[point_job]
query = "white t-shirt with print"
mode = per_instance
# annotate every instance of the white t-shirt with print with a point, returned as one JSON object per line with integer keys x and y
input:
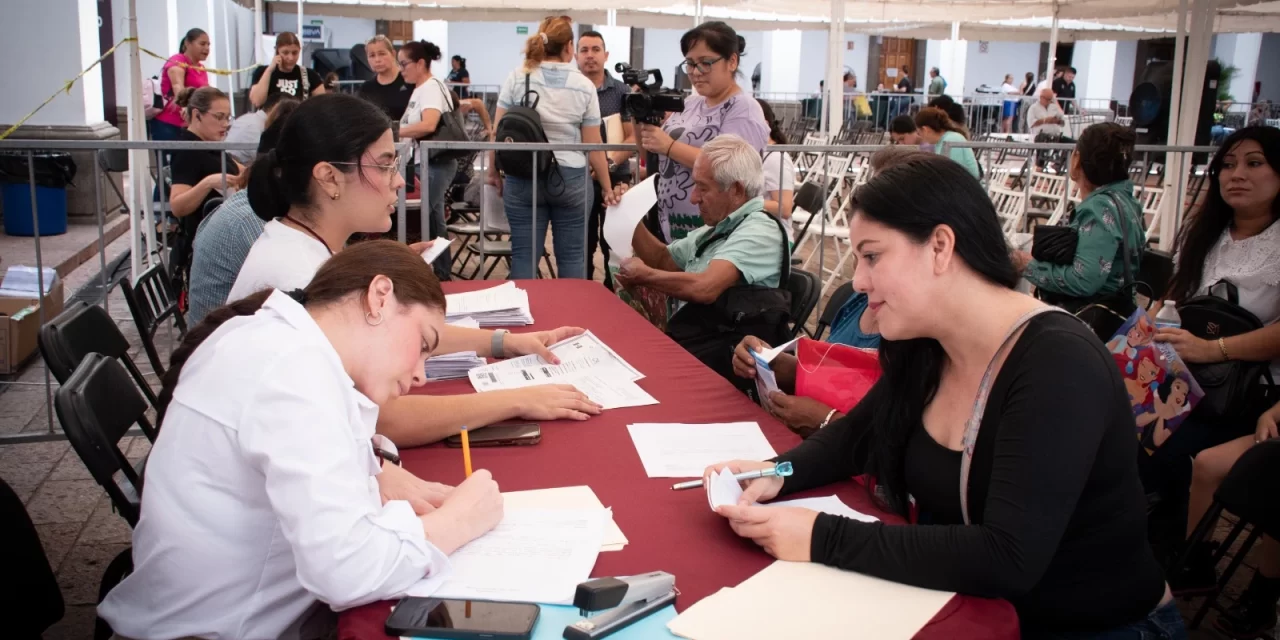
{"x": 432, "y": 94}
{"x": 282, "y": 258}
{"x": 567, "y": 102}
{"x": 778, "y": 165}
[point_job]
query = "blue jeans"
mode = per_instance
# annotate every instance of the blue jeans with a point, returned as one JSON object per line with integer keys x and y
{"x": 440, "y": 174}
{"x": 1163, "y": 623}
{"x": 563, "y": 202}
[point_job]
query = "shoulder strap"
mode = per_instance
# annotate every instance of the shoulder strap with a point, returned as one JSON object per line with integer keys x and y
{"x": 1121, "y": 214}
{"x": 784, "y": 269}
{"x": 974, "y": 423}
{"x": 306, "y": 81}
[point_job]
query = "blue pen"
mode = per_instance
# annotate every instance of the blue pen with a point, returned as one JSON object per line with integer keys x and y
{"x": 781, "y": 470}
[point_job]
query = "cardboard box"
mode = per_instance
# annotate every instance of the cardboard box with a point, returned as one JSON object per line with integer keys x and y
{"x": 20, "y": 326}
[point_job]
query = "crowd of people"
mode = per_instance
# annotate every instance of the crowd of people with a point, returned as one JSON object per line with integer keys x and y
{"x": 1000, "y": 426}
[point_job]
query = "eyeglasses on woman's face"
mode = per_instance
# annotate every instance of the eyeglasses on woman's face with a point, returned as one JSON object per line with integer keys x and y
{"x": 701, "y": 66}
{"x": 390, "y": 171}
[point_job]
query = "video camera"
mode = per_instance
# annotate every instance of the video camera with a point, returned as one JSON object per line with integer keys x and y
{"x": 651, "y": 102}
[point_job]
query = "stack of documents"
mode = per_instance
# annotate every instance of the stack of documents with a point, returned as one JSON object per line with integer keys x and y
{"x": 580, "y": 497}
{"x": 451, "y": 366}
{"x": 723, "y": 489}
{"x": 808, "y": 600}
{"x": 685, "y": 450}
{"x": 502, "y": 305}
{"x": 24, "y": 282}
{"x": 586, "y": 362}
{"x": 533, "y": 555}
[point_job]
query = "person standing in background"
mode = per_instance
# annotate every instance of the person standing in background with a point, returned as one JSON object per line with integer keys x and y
{"x": 431, "y": 99}
{"x": 938, "y": 84}
{"x": 712, "y": 52}
{"x": 1028, "y": 91}
{"x": 1010, "y": 110}
{"x": 284, "y": 74}
{"x": 458, "y": 74}
{"x": 387, "y": 89}
{"x": 779, "y": 175}
{"x": 593, "y": 58}
{"x": 904, "y": 80}
{"x": 184, "y": 69}
{"x": 1065, "y": 88}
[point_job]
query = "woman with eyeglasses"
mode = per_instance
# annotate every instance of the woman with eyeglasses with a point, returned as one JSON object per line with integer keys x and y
{"x": 315, "y": 192}
{"x": 712, "y": 52}
{"x": 197, "y": 175}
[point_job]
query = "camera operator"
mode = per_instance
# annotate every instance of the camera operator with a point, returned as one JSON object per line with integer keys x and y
{"x": 592, "y": 57}
{"x": 712, "y": 52}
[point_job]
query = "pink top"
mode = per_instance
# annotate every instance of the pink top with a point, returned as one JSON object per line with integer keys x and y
{"x": 196, "y": 77}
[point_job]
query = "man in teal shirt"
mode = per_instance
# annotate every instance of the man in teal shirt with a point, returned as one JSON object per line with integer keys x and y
{"x": 937, "y": 85}
{"x": 739, "y": 244}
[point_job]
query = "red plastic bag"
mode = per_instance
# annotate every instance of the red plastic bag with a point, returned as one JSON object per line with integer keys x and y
{"x": 834, "y": 374}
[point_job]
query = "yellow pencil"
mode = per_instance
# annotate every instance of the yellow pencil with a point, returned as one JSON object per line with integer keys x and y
{"x": 466, "y": 452}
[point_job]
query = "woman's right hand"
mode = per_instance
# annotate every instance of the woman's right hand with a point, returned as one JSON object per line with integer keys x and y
{"x": 757, "y": 490}
{"x": 471, "y": 510}
{"x": 551, "y": 402}
{"x": 744, "y": 365}
{"x": 275, "y": 63}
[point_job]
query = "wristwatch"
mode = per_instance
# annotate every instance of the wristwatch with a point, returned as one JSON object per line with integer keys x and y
{"x": 385, "y": 450}
{"x": 496, "y": 343}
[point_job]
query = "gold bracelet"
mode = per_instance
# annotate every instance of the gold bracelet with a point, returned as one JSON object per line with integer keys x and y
{"x": 1222, "y": 346}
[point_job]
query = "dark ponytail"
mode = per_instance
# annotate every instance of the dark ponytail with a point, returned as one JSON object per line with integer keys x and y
{"x": 331, "y": 127}
{"x": 914, "y": 196}
{"x": 419, "y": 50}
{"x": 348, "y": 272}
{"x": 775, "y": 131}
{"x": 192, "y": 36}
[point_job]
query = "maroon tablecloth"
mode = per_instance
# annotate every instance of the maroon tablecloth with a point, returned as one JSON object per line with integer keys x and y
{"x": 668, "y": 531}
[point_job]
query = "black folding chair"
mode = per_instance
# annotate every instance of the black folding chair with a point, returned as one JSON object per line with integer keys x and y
{"x": 83, "y": 329}
{"x": 804, "y": 288}
{"x": 152, "y": 301}
{"x": 1248, "y": 492}
{"x": 838, "y": 298}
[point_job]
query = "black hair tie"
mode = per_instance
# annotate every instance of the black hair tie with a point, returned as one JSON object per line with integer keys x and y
{"x": 299, "y": 296}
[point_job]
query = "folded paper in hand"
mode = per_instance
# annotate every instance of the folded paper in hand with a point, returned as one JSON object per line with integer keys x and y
{"x": 620, "y": 220}
{"x": 723, "y": 490}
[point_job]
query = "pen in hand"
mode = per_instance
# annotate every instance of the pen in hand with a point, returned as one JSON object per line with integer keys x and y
{"x": 781, "y": 470}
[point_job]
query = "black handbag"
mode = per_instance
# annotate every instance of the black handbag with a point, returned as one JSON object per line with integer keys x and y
{"x": 1231, "y": 388}
{"x": 1054, "y": 244}
{"x": 1105, "y": 314}
{"x": 448, "y": 129}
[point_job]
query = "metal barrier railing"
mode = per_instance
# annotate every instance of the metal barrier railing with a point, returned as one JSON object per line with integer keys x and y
{"x": 838, "y": 169}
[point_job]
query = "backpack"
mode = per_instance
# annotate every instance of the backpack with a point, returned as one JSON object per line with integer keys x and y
{"x": 1232, "y": 388}
{"x": 523, "y": 123}
{"x": 710, "y": 332}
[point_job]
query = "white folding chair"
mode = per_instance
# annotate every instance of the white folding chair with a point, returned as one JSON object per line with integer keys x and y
{"x": 1010, "y": 207}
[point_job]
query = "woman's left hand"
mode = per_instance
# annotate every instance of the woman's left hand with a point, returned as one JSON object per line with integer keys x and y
{"x": 782, "y": 532}
{"x": 536, "y": 343}
{"x": 654, "y": 139}
{"x": 798, "y": 412}
{"x": 1191, "y": 348}
{"x": 396, "y": 483}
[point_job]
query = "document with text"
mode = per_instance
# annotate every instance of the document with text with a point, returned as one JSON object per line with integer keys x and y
{"x": 685, "y": 450}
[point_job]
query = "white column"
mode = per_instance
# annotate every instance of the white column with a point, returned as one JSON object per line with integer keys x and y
{"x": 436, "y": 32}
{"x": 781, "y": 73}
{"x": 953, "y": 59}
{"x": 834, "y": 102}
{"x": 300, "y": 16}
{"x": 259, "y": 18}
{"x": 1242, "y": 51}
{"x": 27, "y": 36}
{"x": 1094, "y": 61}
{"x": 1052, "y": 60}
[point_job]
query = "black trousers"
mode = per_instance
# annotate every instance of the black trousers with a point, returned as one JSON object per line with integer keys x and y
{"x": 595, "y": 238}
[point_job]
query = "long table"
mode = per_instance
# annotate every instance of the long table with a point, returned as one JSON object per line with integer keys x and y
{"x": 668, "y": 531}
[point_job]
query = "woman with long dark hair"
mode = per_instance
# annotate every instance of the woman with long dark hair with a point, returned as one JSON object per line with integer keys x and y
{"x": 284, "y": 74}
{"x": 316, "y": 191}
{"x": 458, "y": 75}
{"x": 1005, "y": 419}
{"x": 183, "y": 70}
{"x": 269, "y": 501}
{"x": 1233, "y": 238}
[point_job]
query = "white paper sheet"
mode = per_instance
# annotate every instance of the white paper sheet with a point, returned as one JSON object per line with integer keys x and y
{"x": 586, "y": 343}
{"x": 809, "y": 600}
{"x": 465, "y": 322}
{"x": 685, "y": 450}
{"x": 533, "y": 555}
{"x": 504, "y": 304}
{"x": 579, "y": 497}
{"x": 437, "y": 248}
{"x": 621, "y": 219}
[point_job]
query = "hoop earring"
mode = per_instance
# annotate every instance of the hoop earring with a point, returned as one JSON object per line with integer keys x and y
{"x": 368, "y": 317}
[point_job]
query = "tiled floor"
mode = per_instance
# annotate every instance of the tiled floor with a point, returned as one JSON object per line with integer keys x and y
{"x": 80, "y": 532}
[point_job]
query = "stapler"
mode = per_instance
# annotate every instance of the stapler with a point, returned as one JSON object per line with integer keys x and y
{"x": 630, "y": 597}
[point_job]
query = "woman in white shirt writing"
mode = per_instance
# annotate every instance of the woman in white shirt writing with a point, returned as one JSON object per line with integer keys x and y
{"x": 268, "y": 501}
{"x": 334, "y": 173}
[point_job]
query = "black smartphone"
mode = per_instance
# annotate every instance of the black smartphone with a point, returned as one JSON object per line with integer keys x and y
{"x": 463, "y": 619}
{"x": 501, "y": 435}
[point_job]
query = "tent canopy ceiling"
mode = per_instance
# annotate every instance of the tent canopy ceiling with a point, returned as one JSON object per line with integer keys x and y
{"x": 1011, "y": 20}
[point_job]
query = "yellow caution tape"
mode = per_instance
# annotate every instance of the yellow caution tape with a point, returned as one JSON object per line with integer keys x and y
{"x": 66, "y": 87}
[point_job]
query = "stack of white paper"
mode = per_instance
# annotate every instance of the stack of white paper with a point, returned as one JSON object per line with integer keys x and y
{"x": 723, "y": 489}
{"x": 685, "y": 450}
{"x": 496, "y": 306}
{"x": 580, "y": 497}
{"x": 808, "y": 600}
{"x": 451, "y": 366}
{"x": 586, "y": 362}
{"x": 24, "y": 282}
{"x": 533, "y": 555}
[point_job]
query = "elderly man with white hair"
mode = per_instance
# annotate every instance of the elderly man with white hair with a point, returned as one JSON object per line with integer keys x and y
{"x": 724, "y": 277}
{"x": 1046, "y": 116}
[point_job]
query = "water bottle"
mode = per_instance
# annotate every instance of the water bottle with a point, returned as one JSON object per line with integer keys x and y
{"x": 1168, "y": 317}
